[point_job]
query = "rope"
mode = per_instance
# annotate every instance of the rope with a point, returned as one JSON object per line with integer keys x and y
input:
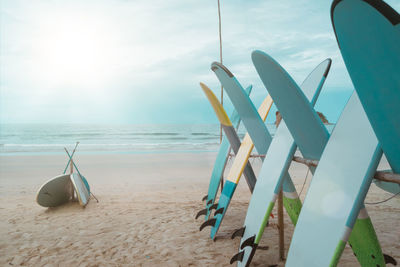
{"x": 251, "y": 156}
{"x": 220, "y": 58}
{"x": 305, "y": 180}
{"x": 383, "y": 201}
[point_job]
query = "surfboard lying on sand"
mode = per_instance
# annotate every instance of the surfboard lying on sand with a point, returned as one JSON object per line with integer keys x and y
{"x": 258, "y": 134}
{"x": 368, "y": 34}
{"x": 233, "y": 138}
{"x": 60, "y": 189}
{"x": 280, "y": 152}
{"x": 220, "y": 163}
{"x": 55, "y": 192}
{"x": 300, "y": 117}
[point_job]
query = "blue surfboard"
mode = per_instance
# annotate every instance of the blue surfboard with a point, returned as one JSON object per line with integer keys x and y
{"x": 337, "y": 191}
{"x": 261, "y": 138}
{"x": 282, "y": 148}
{"x": 301, "y": 118}
{"x": 220, "y": 163}
{"x": 368, "y": 34}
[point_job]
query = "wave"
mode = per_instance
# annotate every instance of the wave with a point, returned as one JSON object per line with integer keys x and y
{"x": 107, "y": 147}
{"x": 119, "y": 138}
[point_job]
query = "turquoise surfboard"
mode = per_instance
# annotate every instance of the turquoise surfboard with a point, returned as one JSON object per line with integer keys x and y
{"x": 80, "y": 184}
{"x": 368, "y": 34}
{"x": 220, "y": 163}
{"x": 261, "y": 138}
{"x": 81, "y": 188}
{"x": 85, "y": 182}
{"x": 337, "y": 191}
{"x": 282, "y": 148}
{"x": 300, "y": 118}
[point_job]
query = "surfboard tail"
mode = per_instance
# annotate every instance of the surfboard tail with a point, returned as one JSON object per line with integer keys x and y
{"x": 223, "y": 203}
{"x": 293, "y": 207}
{"x": 220, "y": 208}
{"x": 291, "y": 200}
{"x": 363, "y": 241}
{"x": 245, "y": 256}
{"x": 250, "y": 243}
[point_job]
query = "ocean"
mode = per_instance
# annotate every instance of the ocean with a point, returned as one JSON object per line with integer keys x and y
{"x": 107, "y": 138}
{"x": 16, "y": 139}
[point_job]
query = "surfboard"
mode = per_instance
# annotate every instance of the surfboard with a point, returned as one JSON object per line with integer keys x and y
{"x": 85, "y": 182}
{"x": 81, "y": 188}
{"x": 55, "y": 192}
{"x": 254, "y": 123}
{"x": 282, "y": 148}
{"x": 305, "y": 119}
{"x": 220, "y": 163}
{"x": 337, "y": 191}
{"x": 233, "y": 138}
{"x": 80, "y": 184}
{"x": 388, "y": 186}
{"x": 368, "y": 34}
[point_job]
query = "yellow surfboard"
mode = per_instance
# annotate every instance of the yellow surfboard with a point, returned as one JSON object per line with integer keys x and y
{"x": 247, "y": 145}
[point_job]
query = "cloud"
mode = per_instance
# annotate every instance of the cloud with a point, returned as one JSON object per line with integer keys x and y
{"x": 141, "y": 61}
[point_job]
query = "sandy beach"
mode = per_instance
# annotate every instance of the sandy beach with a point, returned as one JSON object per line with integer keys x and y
{"x": 145, "y": 216}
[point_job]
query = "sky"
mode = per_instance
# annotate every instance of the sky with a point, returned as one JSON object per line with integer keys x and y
{"x": 141, "y": 61}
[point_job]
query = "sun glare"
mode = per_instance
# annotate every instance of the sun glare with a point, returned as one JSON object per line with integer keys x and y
{"x": 75, "y": 51}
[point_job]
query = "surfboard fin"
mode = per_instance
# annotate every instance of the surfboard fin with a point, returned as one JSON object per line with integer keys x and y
{"x": 219, "y": 211}
{"x": 213, "y": 207}
{"x": 202, "y": 212}
{"x": 249, "y": 242}
{"x": 389, "y": 259}
{"x": 209, "y": 202}
{"x": 210, "y": 222}
{"x": 237, "y": 257}
{"x": 204, "y": 198}
{"x": 238, "y": 232}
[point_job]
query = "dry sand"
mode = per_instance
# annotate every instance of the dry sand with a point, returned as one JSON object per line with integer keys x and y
{"x": 145, "y": 216}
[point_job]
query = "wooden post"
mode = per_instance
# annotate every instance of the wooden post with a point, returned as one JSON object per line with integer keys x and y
{"x": 281, "y": 227}
{"x": 71, "y": 167}
{"x": 71, "y": 170}
{"x": 379, "y": 175}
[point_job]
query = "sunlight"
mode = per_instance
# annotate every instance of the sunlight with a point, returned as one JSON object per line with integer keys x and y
{"x": 75, "y": 51}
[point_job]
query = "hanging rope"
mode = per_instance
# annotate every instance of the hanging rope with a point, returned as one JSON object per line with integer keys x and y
{"x": 220, "y": 59}
{"x": 383, "y": 201}
{"x": 305, "y": 180}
